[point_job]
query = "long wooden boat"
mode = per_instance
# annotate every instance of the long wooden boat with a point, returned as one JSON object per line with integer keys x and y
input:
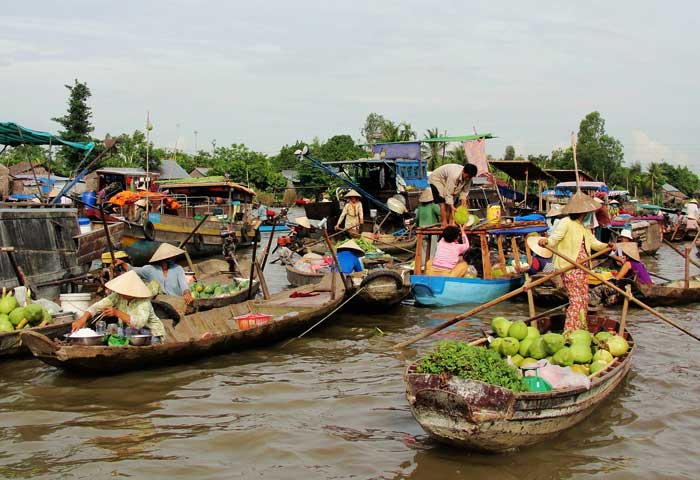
{"x": 200, "y": 334}
{"x": 483, "y": 417}
{"x": 669, "y": 294}
{"x": 11, "y": 344}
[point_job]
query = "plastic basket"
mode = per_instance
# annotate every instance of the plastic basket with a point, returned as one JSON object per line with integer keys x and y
{"x": 252, "y": 320}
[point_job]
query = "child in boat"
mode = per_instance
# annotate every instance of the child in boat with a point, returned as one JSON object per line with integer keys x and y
{"x": 542, "y": 260}
{"x": 448, "y": 261}
{"x": 428, "y": 213}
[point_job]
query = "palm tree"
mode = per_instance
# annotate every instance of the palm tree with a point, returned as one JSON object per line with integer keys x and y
{"x": 457, "y": 155}
{"x": 655, "y": 177}
{"x": 434, "y": 150}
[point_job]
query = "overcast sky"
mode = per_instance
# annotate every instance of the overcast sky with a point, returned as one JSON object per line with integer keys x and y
{"x": 269, "y": 73}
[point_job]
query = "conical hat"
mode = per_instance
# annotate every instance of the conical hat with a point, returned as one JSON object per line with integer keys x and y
{"x": 630, "y": 250}
{"x": 626, "y": 233}
{"x": 312, "y": 256}
{"x": 303, "y": 221}
{"x": 352, "y": 193}
{"x": 129, "y": 284}
{"x": 535, "y": 247}
{"x": 166, "y": 251}
{"x": 426, "y": 195}
{"x": 692, "y": 200}
{"x": 554, "y": 210}
{"x": 614, "y": 202}
{"x": 351, "y": 245}
{"x": 580, "y": 203}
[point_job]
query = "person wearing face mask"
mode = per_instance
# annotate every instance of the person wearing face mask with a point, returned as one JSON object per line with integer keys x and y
{"x": 573, "y": 239}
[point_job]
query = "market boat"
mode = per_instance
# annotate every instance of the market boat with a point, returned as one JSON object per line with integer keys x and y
{"x": 669, "y": 294}
{"x": 483, "y": 417}
{"x": 437, "y": 291}
{"x": 202, "y": 334}
{"x": 389, "y": 244}
{"x": 11, "y": 344}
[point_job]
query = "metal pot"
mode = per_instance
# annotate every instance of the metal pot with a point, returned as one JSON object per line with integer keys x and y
{"x": 91, "y": 341}
{"x": 140, "y": 340}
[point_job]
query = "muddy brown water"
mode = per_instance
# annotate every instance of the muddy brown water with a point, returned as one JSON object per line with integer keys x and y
{"x": 331, "y": 405}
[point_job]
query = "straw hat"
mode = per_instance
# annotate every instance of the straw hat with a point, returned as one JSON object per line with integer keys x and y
{"x": 426, "y": 195}
{"x": 535, "y": 247}
{"x": 614, "y": 202}
{"x": 166, "y": 251}
{"x": 303, "y": 221}
{"x": 352, "y": 193}
{"x": 692, "y": 200}
{"x": 312, "y": 256}
{"x": 555, "y": 210}
{"x": 630, "y": 250}
{"x": 580, "y": 203}
{"x": 626, "y": 233}
{"x": 107, "y": 258}
{"x": 129, "y": 284}
{"x": 351, "y": 245}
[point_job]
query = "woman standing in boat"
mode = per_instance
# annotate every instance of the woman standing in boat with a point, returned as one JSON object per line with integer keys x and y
{"x": 129, "y": 303}
{"x": 168, "y": 275}
{"x": 574, "y": 240}
{"x": 352, "y": 213}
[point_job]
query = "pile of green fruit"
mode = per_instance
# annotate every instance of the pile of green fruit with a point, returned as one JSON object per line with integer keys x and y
{"x": 13, "y": 317}
{"x": 579, "y": 349}
{"x": 216, "y": 290}
{"x": 362, "y": 243}
{"x": 473, "y": 363}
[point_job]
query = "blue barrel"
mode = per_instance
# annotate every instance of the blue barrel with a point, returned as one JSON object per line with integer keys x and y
{"x": 89, "y": 199}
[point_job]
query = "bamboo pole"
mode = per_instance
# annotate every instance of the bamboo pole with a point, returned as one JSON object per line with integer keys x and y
{"x": 625, "y": 309}
{"x": 626, "y": 295}
{"x": 687, "y": 267}
{"x": 337, "y": 265}
{"x": 480, "y": 308}
{"x": 530, "y": 298}
{"x": 675, "y": 249}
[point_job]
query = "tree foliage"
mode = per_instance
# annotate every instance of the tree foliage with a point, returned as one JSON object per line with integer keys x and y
{"x": 76, "y": 123}
{"x": 25, "y": 153}
{"x": 379, "y": 129}
{"x": 597, "y": 152}
{"x": 434, "y": 152}
{"x": 130, "y": 151}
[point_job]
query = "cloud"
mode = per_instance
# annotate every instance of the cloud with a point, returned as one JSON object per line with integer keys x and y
{"x": 643, "y": 149}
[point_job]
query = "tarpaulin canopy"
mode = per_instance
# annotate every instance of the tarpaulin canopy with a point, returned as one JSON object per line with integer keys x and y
{"x": 521, "y": 170}
{"x": 14, "y": 135}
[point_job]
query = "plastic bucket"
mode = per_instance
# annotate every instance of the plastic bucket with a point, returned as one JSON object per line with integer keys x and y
{"x": 75, "y": 302}
{"x": 493, "y": 214}
{"x": 85, "y": 225}
{"x": 89, "y": 198}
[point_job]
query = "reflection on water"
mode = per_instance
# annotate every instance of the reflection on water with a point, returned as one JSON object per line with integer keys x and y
{"x": 331, "y": 405}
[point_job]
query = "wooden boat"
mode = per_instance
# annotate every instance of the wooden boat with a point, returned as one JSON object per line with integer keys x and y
{"x": 11, "y": 344}
{"x": 298, "y": 278}
{"x": 669, "y": 294}
{"x": 200, "y": 334}
{"x": 483, "y": 417}
{"x": 646, "y": 231}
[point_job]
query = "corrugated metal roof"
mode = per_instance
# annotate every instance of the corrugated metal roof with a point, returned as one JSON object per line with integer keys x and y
{"x": 170, "y": 169}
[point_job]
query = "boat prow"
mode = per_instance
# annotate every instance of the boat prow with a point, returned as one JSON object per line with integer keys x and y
{"x": 437, "y": 291}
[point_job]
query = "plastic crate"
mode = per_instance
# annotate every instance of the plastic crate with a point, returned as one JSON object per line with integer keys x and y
{"x": 252, "y": 320}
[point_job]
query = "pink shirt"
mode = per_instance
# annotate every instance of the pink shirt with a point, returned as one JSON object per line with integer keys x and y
{"x": 447, "y": 255}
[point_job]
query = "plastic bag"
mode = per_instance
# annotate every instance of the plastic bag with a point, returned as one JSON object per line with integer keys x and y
{"x": 117, "y": 341}
{"x": 562, "y": 377}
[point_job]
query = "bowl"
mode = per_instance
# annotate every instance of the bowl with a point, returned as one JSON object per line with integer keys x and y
{"x": 139, "y": 340}
{"x": 90, "y": 341}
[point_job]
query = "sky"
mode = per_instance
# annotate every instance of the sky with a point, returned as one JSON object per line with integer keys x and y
{"x": 270, "y": 73}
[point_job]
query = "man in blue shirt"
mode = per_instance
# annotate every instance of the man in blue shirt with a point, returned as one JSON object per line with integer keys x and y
{"x": 349, "y": 255}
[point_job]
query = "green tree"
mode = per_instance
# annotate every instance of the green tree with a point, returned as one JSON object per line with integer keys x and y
{"x": 25, "y": 153}
{"x": 246, "y": 166}
{"x": 76, "y": 123}
{"x": 457, "y": 155}
{"x": 313, "y": 180}
{"x": 655, "y": 177}
{"x": 434, "y": 152}
{"x": 286, "y": 158}
{"x": 340, "y": 147}
{"x": 510, "y": 153}
{"x": 372, "y": 130}
{"x": 397, "y": 132}
{"x": 597, "y": 152}
{"x": 130, "y": 151}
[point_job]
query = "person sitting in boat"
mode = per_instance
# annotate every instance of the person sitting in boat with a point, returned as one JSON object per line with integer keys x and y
{"x": 302, "y": 229}
{"x": 542, "y": 260}
{"x": 631, "y": 265}
{"x": 447, "y": 182}
{"x": 448, "y": 261}
{"x": 574, "y": 240}
{"x": 349, "y": 254}
{"x": 427, "y": 213}
{"x": 352, "y": 213}
{"x": 162, "y": 270}
{"x": 129, "y": 303}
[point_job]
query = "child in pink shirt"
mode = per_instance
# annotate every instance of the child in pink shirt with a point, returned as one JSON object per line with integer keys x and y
{"x": 448, "y": 255}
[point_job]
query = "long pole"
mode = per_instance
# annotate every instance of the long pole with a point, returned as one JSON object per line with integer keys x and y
{"x": 480, "y": 308}
{"x": 673, "y": 247}
{"x": 252, "y": 266}
{"x": 622, "y": 292}
{"x": 269, "y": 243}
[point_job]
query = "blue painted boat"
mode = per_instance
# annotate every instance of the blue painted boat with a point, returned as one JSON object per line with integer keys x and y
{"x": 435, "y": 291}
{"x": 278, "y": 228}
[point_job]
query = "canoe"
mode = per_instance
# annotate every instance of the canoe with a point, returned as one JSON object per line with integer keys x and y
{"x": 380, "y": 287}
{"x": 11, "y": 344}
{"x": 669, "y": 294}
{"x": 437, "y": 291}
{"x": 200, "y": 334}
{"x": 483, "y": 417}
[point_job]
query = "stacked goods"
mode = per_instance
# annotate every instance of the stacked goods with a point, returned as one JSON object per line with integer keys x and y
{"x": 15, "y": 317}
{"x": 215, "y": 290}
{"x": 579, "y": 349}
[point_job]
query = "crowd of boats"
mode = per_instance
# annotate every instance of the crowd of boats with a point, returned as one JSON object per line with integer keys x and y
{"x": 468, "y": 239}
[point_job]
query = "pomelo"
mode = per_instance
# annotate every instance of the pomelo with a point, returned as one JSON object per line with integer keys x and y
{"x": 510, "y": 346}
{"x": 7, "y": 304}
{"x": 553, "y": 342}
{"x": 538, "y": 349}
{"x": 580, "y": 336}
{"x": 532, "y": 332}
{"x": 563, "y": 357}
{"x": 617, "y": 345}
{"x": 581, "y": 352}
{"x": 500, "y": 325}
{"x": 525, "y": 346}
{"x": 598, "y": 366}
{"x": 518, "y": 330}
{"x": 603, "y": 355}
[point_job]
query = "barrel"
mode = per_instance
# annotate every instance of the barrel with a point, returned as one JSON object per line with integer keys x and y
{"x": 89, "y": 199}
{"x": 493, "y": 214}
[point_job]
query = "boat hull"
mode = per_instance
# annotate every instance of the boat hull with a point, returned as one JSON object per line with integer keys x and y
{"x": 437, "y": 291}
{"x": 11, "y": 343}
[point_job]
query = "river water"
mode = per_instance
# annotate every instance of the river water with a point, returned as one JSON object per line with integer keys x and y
{"x": 331, "y": 405}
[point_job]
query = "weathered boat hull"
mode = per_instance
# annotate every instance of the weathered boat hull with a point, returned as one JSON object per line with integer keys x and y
{"x": 198, "y": 335}
{"x": 11, "y": 343}
{"x": 483, "y": 417}
{"x": 663, "y": 295}
{"x": 437, "y": 291}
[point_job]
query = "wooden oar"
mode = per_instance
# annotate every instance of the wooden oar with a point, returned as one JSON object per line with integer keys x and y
{"x": 480, "y": 308}
{"x": 625, "y": 294}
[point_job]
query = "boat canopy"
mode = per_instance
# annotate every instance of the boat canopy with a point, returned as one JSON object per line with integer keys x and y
{"x": 13, "y": 135}
{"x": 598, "y": 186}
{"x": 521, "y": 170}
{"x": 218, "y": 182}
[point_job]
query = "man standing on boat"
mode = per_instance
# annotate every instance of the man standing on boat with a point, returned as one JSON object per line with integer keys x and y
{"x": 447, "y": 182}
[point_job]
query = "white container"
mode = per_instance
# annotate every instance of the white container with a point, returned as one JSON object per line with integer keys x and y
{"x": 75, "y": 302}
{"x": 85, "y": 225}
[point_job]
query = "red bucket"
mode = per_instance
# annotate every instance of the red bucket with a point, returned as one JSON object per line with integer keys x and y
{"x": 252, "y": 320}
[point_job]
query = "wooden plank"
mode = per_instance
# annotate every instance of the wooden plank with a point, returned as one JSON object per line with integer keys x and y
{"x": 501, "y": 255}
{"x": 485, "y": 257}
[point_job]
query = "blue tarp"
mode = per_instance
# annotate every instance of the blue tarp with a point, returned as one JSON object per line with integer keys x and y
{"x": 393, "y": 151}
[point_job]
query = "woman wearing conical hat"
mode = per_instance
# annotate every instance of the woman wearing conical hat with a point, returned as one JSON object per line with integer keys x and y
{"x": 164, "y": 272}
{"x": 129, "y": 303}
{"x": 352, "y": 212}
{"x": 631, "y": 265}
{"x": 574, "y": 240}
{"x": 349, "y": 254}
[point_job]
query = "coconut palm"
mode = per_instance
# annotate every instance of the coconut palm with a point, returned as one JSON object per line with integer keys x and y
{"x": 434, "y": 152}
{"x": 392, "y": 132}
{"x": 655, "y": 177}
{"x": 457, "y": 154}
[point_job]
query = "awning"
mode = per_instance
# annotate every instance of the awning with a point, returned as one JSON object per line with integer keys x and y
{"x": 14, "y": 135}
{"x": 521, "y": 170}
